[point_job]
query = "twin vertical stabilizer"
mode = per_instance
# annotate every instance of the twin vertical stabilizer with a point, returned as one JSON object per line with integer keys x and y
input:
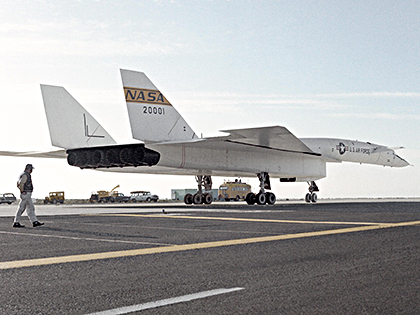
{"x": 152, "y": 117}
{"x": 70, "y": 125}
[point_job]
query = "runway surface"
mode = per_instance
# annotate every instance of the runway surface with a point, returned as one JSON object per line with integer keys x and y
{"x": 291, "y": 258}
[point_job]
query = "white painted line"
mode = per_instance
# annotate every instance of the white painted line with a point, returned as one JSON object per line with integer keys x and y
{"x": 84, "y": 238}
{"x": 179, "y": 299}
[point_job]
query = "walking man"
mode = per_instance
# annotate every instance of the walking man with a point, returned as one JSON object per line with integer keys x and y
{"x": 26, "y": 188}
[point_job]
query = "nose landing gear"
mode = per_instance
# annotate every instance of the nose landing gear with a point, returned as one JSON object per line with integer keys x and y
{"x": 262, "y": 197}
{"x": 311, "y": 196}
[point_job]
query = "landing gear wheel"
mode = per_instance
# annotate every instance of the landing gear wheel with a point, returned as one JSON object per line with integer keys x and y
{"x": 308, "y": 197}
{"x": 271, "y": 198}
{"x": 198, "y": 198}
{"x": 250, "y": 198}
{"x": 204, "y": 183}
{"x": 188, "y": 199}
{"x": 314, "y": 197}
{"x": 261, "y": 198}
{"x": 208, "y": 199}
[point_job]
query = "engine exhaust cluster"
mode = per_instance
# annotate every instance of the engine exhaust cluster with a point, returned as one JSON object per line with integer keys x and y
{"x": 112, "y": 156}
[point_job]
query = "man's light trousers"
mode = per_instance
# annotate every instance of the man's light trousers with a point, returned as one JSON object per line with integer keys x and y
{"x": 26, "y": 203}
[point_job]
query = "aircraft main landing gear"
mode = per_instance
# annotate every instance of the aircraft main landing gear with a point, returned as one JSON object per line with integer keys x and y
{"x": 262, "y": 197}
{"x": 200, "y": 198}
{"x": 311, "y": 196}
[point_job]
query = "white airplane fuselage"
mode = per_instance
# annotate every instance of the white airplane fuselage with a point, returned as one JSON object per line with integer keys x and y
{"x": 184, "y": 159}
{"x": 236, "y": 162}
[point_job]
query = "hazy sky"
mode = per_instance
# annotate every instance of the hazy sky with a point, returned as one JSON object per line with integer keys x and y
{"x": 342, "y": 69}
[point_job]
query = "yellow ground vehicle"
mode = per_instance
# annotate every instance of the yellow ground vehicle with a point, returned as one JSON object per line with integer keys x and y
{"x": 55, "y": 197}
{"x": 233, "y": 190}
{"x": 104, "y": 195}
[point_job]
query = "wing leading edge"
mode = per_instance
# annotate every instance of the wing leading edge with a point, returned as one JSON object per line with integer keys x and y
{"x": 275, "y": 137}
{"x": 250, "y": 139}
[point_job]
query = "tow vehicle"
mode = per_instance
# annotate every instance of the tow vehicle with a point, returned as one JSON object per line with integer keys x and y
{"x": 104, "y": 195}
{"x": 55, "y": 197}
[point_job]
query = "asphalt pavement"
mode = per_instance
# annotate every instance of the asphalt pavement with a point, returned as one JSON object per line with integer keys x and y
{"x": 291, "y": 258}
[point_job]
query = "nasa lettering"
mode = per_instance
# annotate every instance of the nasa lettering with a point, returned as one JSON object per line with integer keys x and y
{"x": 134, "y": 95}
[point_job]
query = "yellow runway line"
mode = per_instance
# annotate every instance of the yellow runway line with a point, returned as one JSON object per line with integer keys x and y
{"x": 185, "y": 247}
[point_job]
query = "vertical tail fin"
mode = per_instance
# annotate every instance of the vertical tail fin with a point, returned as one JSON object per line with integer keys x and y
{"x": 70, "y": 125}
{"x": 152, "y": 117}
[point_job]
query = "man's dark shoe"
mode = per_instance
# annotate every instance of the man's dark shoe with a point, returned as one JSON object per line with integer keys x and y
{"x": 18, "y": 225}
{"x": 37, "y": 223}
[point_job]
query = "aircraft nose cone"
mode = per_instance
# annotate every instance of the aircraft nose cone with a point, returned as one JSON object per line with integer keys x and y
{"x": 400, "y": 162}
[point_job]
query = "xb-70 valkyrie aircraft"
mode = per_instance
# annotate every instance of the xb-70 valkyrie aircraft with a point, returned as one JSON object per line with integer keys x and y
{"x": 170, "y": 146}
